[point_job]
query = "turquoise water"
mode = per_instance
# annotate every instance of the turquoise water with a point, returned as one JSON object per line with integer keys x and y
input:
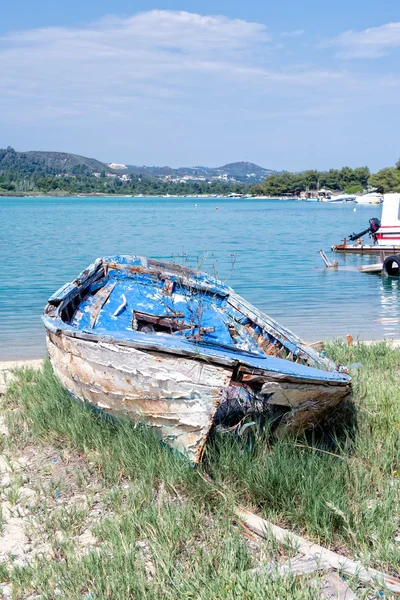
{"x": 45, "y": 242}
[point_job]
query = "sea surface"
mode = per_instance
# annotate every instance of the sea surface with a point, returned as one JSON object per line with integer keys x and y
{"x": 267, "y": 250}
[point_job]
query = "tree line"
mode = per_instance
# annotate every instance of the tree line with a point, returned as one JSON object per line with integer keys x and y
{"x": 348, "y": 180}
{"x": 89, "y": 184}
{"x": 20, "y": 174}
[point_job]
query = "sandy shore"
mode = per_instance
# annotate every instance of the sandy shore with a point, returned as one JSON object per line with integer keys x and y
{"x": 8, "y": 366}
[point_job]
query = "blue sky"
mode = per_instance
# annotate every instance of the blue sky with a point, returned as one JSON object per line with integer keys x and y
{"x": 288, "y": 85}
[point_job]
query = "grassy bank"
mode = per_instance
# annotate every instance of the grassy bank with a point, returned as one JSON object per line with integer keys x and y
{"x": 109, "y": 513}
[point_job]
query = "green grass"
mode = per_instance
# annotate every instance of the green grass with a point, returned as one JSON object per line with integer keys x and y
{"x": 165, "y": 532}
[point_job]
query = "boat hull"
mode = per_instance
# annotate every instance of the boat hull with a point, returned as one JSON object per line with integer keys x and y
{"x": 183, "y": 386}
{"x": 177, "y": 396}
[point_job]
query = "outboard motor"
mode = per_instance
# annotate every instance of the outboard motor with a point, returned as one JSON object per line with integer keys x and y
{"x": 374, "y": 225}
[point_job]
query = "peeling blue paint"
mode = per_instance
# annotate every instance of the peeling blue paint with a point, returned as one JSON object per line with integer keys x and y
{"x": 204, "y": 303}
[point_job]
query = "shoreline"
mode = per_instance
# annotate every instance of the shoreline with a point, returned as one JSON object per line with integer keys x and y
{"x": 140, "y": 196}
{"x": 8, "y": 366}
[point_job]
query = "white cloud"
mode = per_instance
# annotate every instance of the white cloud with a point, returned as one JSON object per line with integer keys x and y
{"x": 165, "y": 82}
{"x": 294, "y": 33}
{"x": 157, "y": 54}
{"x": 373, "y": 42}
{"x": 160, "y": 56}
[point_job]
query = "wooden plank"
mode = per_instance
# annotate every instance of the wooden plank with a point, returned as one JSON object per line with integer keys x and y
{"x": 166, "y": 320}
{"x": 302, "y": 565}
{"x": 336, "y": 561}
{"x": 92, "y": 271}
{"x": 263, "y": 375}
{"x": 334, "y": 588}
{"x": 101, "y": 298}
{"x": 375, "y": 268}
{"x": 194, "y": 280}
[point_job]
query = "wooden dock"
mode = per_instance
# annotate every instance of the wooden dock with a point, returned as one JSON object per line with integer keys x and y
{"x": 365, "y": 249}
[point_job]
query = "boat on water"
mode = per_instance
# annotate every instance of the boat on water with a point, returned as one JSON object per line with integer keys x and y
{"x": 370, "y": 198}
{"x": 384, "y": 233}
{"x": 182, "y": 352}
{"x": 341, "y": 199}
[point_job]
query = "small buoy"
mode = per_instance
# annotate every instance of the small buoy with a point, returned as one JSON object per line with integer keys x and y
{"x": 216, "y": 208}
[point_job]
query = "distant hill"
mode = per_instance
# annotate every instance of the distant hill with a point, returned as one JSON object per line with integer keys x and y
{"x": 51, "y": 163}
{"x": 240, "y": 171}
{"x": 58, "y": 163}
{"x": 245, "y": 170}
{"x": 65, "y": 162}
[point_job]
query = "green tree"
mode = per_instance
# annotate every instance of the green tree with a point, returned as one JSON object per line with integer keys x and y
{"x": 355, "y": 188}
{"x": 386, "y": 180}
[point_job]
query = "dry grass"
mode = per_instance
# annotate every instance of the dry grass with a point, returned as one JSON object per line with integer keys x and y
{"x": 101, "y": 510}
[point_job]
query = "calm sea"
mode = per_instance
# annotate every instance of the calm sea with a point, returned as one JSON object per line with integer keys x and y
{"x": 45, "y": 242}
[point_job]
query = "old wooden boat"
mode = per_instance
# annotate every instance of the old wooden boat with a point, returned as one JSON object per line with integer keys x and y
{"x": 182, "y": 352}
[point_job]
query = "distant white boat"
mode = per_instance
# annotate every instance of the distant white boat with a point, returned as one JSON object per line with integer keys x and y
{"x": 371, "y": 198}
{"x": 342, "y": 198}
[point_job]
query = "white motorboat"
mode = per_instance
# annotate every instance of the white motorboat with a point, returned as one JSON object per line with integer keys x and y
{"x": 341, "y": 199}
{"x": 384, "y": 233}
{"x": 388, "y": 233}
{"x": 370, "y": 198}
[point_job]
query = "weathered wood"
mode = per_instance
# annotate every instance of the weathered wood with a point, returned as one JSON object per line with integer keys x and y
{"x": 336, "y": 561}
{"x": 101, "y": 298}
{"x": 168, "y": 271}
{"x": 289, "y": 394}
{"x": 91, "y": 365}
{"x": 327, "y": 262}
{"x": 365, "y": 249}
{"x": 375, "y": 268}
{"x": 176, "y": 396}
{"x": 93, "y": 272}
{"x": 301, "y": 565}
{"x": 334, "y": 588}
{"x": 156, "y": 318}
{"x": 307, "y": 403}
{"x": 263, "y": 375}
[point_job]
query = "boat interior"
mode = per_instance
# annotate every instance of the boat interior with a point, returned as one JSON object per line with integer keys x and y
{"x": 122, "y": 301}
